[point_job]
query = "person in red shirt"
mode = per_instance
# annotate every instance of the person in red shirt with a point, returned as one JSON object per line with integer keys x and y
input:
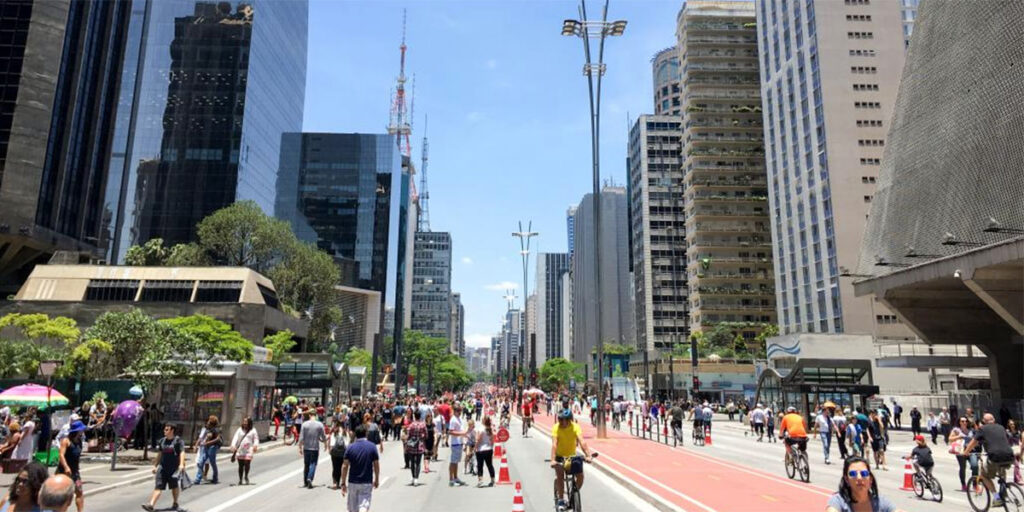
{"x": 446, "y": 411}
{"x": 527, "y": 416}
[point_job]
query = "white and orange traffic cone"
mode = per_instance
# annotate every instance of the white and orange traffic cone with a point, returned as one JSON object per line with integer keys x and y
{"x": 908, "y": 476}
{"x": 707, "y": 436}
{"x": 517, "y": 500}
{"x": 499, "y": 450}
{"x": 503, "y": 476}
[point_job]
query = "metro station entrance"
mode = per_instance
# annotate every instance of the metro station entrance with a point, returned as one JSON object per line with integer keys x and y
{"x": 807, "y": 383}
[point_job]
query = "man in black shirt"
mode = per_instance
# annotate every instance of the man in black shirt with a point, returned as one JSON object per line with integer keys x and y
{"x": 169, "y": 467}
{"x": 992, "y": 436}
{"x": 922, "y": 455}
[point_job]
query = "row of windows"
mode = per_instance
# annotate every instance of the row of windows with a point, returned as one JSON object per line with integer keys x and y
{"x": 887, "y": 319}
{"x": 858, "y": 17}
{"x": 870, "y": 142}
{"x": 867, "y": 199}
{"x": 865, "y": 87}
{"x": 858, "y": 2}
{"x": 867, "y": 179}
{"x": 863, "y": 70}
{"x": 125, "y": 290}
{"x": 867, "y": 104}
{"x": 860, "y": 35}
{"x": 870, "y": 161}
{"x": 862, "y": 53}
{"x": 866, "y": 123}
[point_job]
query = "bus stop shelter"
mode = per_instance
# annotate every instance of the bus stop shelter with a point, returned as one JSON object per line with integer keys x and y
{"x": 809, "y": 382}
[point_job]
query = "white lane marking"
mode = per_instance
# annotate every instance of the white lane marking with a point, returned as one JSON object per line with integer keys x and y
{"x": 242, "y": 497}
{"x": 608, "y": 481}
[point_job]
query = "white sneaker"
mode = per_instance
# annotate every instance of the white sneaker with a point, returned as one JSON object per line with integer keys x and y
{"x": 415, "y": 482}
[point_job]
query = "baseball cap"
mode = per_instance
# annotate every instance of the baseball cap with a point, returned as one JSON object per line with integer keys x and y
{"x": 919, "y": 437}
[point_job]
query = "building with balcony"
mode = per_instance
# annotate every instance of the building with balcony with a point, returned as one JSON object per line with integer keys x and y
{"x": 657, "y": 232}
{"x": 728, "y": 237}
{"x": 667, "y": 89}
{"x": 432, "y": 284}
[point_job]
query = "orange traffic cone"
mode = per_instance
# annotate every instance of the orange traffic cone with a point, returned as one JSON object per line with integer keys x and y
{"x": 908, "y": 477}
{"x": 707, "y": 436}
{"x": 517, "y": 500}
{"x": 499, "y": 450}
{"x": 503, "y": 476}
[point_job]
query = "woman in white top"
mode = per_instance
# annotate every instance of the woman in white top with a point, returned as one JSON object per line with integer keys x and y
{"x": 243, "y": 447}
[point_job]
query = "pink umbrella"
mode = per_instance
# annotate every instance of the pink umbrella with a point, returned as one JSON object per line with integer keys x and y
{"x": 29, "y": 395}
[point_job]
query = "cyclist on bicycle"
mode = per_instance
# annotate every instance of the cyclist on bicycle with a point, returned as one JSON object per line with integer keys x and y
{"x": 565, "y": 435}
{"x": 921, "y": 455}
{"x": 792, "y": 431}
{"x": 992, "y": 437}
{"x": 697, "y": 415}
{"x": 505, "y": 407}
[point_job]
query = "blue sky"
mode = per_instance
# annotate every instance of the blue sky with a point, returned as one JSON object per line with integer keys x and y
{"x": 508, "y": 116}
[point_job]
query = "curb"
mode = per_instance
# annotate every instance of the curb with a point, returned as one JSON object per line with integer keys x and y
{"x": 651, "y": 498}
{"x": 149, "y": 476}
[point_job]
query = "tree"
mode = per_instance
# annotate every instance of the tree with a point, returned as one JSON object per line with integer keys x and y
{"x": 280, "y": 344}
{"x": 616, "y": 349}
{"x": 450, "y": 373}
{"x": 241, "y": 235}
{"x": 45, "y": 339}
{"x": 305, "y": 279}
{"x": 124, "y": 340}
{"x": 208, "y": 340}
{"x": 556, "y": 373}
{"x": 358, "y": 357}
{"x": 152, "y": 253}
{"x": 187, "y": 255}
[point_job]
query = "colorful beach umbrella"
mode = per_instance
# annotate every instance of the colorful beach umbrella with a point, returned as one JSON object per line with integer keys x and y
{"x": 32, "y": 395}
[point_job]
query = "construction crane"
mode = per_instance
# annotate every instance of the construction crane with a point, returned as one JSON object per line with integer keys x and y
{"x": 399, "y": 124}
{"x": 424, "y": 195}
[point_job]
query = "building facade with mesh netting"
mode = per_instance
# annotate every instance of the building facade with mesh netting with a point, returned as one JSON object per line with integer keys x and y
{"x": 728, "y": 236}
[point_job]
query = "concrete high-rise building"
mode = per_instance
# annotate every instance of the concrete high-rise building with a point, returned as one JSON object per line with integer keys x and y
{"x": 496, "y": 361}
{"x": 667, "y": 83}
{"x": 566, "y": 307}
{"x": 511, "y": 334}
{"x": 209, "y": 91}
{"x": 657, "y": 232}
{"x": 61, "y": 63}
{"x": 830, "y": 72}
{"x": 432, "y": 284}
{"x": 478, "y": 359}
{"x": 550, "y": 316}
{"x": 616, "y": 322}
{"x": 457, "y": 343}
{"x": 728, "y": 237}
{"x": 531, "y": 330}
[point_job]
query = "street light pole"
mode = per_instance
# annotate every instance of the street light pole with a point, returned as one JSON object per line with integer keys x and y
{"x": 586, "y": 29}
{"x": 524, "y": 237}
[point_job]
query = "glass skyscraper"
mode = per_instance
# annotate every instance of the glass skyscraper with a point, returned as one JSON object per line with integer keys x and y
{"x": 207, "y": 90}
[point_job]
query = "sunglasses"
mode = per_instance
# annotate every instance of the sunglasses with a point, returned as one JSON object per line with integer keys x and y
{"x": 20, "y": 480}
{"x": 863, "y": 473}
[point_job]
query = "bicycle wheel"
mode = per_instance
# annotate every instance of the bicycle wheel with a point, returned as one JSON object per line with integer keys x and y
{"x": 790, "y": 467}
{"x": 575, "y": 502}
{"x": 936, "y": 488}
{"x": 804, "y": 467}
{"x": 1013, "y": 498}
{"x": 978, "y": 495}
{"x": 918, "y": 486}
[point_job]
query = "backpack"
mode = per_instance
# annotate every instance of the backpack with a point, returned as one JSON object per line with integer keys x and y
{"x": 338, "y": 447}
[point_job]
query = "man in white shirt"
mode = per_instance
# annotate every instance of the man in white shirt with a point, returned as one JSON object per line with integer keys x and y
{"x": 457, "y": 435}
{"x": 839, "y": 424}
{"x": 823, "y": 425}
{"x": 757, "y": 420}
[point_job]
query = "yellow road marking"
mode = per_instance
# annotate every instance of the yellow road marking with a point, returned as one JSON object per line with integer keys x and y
{"x": 769, "y": 498}
{"x": 713, "y": 477}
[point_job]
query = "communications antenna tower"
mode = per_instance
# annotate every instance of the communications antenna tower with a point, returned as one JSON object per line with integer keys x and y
{"x": 399, "y": 125}
{"x": 424, "y": 196}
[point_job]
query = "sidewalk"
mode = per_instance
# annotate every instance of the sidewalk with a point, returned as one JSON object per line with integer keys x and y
{"x": 131, "y": 469}
{"x": 686, "y": 479}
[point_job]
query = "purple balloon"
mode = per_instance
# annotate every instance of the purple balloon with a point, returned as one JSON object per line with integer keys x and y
{"x": 126, "y": 417}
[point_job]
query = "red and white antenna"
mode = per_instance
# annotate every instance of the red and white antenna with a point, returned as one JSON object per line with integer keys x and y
{"x": 399, "y": 124}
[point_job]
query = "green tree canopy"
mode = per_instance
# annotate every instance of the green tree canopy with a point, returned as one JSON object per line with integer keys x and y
{"x": 616, "y": 349}
{"x": 358, "y": 357}
{"x": 45, "y": 339}
{"x": 556, "y": 373}
{"x": 213, "y": 339}
{"x": 243, "y": 235}
{"x": 280, "y": 344}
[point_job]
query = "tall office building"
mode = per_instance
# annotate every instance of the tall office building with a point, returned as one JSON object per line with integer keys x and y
{"x": 830, "y": 72}
{"x": 511, "y": 333}
{"x": 728, "y": 238}
{"x": 335, "y": 189}
{"x": 570, "y": 224}
{"x": 550, "y": 268}
{"x": 204, "y": 99}
{"x": 496, "y": 361}
{"x": 667, "y": 87}
{"x": 457, "y": 339}
{"x": 531, "y": 330}
{"x": 60, "y": 70}
{"x": 566, "y": 307}
{"x": 657, "y": 232}
{"x": 615, "y": 324}
{"x": 432, "y": 284}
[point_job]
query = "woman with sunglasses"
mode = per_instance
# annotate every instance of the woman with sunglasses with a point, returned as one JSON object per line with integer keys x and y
{"x": 959, "y": 437}
{"x": 24, "y": 494}
{"x": 858, "y": 491}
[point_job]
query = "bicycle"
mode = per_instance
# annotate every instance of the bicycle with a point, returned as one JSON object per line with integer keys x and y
{"x": 527, "y": 421}
{"x": 616, "y": 423}
{"x": 796, "y": 462}
{"x": 291, "y": 435}
{"x": 698, "y": 434}
{"x": 572, "y": 493}
{"x": 923, "y": 481}
{"x": 980, "y": 497}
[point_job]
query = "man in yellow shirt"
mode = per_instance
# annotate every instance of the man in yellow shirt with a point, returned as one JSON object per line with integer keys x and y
{"x": 565, "y": 435}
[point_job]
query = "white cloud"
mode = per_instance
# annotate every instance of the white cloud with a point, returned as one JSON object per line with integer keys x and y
{"x": 492, "y": 64}
{"x": 478, "y": 340}
{"x": 502, "y": 286}
{"x": 474, "y": 116}
{"x": 466, "y": 260}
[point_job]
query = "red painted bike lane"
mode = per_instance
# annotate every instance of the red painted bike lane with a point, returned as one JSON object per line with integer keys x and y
{"x": 695, "y": 481}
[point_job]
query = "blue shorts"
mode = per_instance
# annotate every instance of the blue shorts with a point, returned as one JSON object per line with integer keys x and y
{"x": 456, "y": 454}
